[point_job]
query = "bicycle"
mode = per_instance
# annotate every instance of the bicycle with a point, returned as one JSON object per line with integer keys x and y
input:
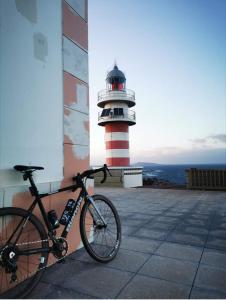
{"x": 25, "y": 244}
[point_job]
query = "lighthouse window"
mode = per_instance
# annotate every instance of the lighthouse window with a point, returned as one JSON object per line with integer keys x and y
{"x": 118, "y": 111}
{"x": 105, "y": 112}
{"x": 116, "y": 86}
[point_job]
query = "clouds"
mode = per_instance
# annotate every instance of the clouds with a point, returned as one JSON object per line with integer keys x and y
{"x": 218, "y": 138}
{"x": 177, "y": 155}
{"x": 212, "y": 141}
{"x": 204, "y": 150}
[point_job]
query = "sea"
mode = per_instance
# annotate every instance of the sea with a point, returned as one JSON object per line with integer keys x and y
{"x": 175, "y": 174}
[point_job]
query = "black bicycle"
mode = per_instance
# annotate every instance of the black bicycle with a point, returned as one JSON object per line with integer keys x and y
{"x": 25, "y": 243}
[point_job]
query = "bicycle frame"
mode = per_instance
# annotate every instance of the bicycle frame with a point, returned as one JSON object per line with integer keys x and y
{"x": 83, "y": 195}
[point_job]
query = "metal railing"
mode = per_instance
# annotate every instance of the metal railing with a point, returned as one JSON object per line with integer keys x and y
{"x": 205, "y": 179}
{"x": 126, "y": 116}
{"x": 126, "y": 94}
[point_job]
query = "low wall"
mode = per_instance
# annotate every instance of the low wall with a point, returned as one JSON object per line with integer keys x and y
{"x": 121, "y": 177}
{"x": 206, "y": 179}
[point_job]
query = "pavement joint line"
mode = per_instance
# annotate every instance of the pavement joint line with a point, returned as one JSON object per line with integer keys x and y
{"x": 179, "y": 259}
{"x": 137, "y": 251}
{"x": 139, "y": 269}
{"x": 133, "y": 276}
{"x": 66, "y": 289}
{"x": 167, "y": 280}
{"x": 209, "y": 228}
{"x": 105, "y": 266}
{"x": 152, "y": 221}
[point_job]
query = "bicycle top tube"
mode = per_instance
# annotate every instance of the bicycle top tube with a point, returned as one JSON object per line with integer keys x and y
{"x": 28, "y": 170}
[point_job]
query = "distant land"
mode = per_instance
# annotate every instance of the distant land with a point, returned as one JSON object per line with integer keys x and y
{"x": 144, "y": 164}
{"x": 174, "y": 173}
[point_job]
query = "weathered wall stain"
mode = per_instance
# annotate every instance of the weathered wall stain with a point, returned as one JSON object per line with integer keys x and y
{"x": 28, "y": 9}
{"x": 75, "y": 127}
{"x": 40, "y": 46}
{"x": 75, "y": 60}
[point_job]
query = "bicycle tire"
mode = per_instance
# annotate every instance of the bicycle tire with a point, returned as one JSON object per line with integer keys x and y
{"x": 90, "y": 232}
{"x": 34, "y": 231}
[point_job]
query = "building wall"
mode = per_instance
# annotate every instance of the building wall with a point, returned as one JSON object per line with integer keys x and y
{"x": 44, "y": 100}
{"x": 30, "y": 87}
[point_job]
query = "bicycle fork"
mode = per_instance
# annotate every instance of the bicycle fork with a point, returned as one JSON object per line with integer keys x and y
{"x": 90, "y": 199}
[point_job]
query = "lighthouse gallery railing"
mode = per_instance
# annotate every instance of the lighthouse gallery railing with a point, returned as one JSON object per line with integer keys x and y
{"x": 126, "y": 94}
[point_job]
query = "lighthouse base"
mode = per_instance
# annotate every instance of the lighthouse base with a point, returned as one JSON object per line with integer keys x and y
{"x": 126, "y": 177}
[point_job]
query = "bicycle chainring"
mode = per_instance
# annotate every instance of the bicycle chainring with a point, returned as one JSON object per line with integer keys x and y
{"x": 60, "y": 248}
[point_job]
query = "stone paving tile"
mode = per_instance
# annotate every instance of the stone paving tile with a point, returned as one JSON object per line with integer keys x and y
{"x": 185, "y": 228}
{"x": 124, "y": 214}
{"x": 218, "y": 233}
{"x": 87, "y": 278}
{"x": 144, "y": 217}
{"x": 160, "y": 226}
{"x": 41, "y": 291}
{"x": 133, "y": 222}
{"x": 179, "y": 251}
{"x": 211, "y": 278}
{"x": 125, "y": 260}
{"x": 174, "y": 214}
{"x": 151, "y": 234}
{"x": 142, "y": 287}
{"x": 191, "y": 239}
{"x": 198, "y": 293}
{"x": 219, "y": 224}
{"x": 155, "y": 212}
{"x": 62, "y": 293}
{"x": 200, "y": 217}
{"x": 141, "y": 245}
{"x": 102, "y": 283}
{"x": 130, "y": 261}
{"x": 214, "y": 258}
{"x": 170, "y": 269}
{"x": 166, "y": 219}
{"x": 191, "y": 222}
{"x": 216, "y": 243}
{"x": 128, "y": 230}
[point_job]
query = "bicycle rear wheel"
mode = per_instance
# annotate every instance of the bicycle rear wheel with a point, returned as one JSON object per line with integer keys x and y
{"x": 101, "y": 242}
{"x": 19, "y": 272}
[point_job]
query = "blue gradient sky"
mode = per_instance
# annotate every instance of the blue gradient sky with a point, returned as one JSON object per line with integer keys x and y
{"x": 173, "y": 53}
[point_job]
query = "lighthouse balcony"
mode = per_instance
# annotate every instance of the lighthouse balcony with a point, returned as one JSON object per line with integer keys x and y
{"x": 116, "y": 115}
{"x": 105, "y": 96}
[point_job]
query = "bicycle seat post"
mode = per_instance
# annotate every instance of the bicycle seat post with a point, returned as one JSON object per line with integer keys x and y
{"x": 33, "y": 189}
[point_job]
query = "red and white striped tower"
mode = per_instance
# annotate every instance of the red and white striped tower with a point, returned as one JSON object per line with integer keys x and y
{"x": 116, "y": 117}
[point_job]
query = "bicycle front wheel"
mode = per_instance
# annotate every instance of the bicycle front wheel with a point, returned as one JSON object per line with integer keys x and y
{"x": 21, "y": 263}
{"x": 101, "y": 241}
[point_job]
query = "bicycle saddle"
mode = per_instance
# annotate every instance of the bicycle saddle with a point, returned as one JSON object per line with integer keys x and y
{"x": 22, "y": 168}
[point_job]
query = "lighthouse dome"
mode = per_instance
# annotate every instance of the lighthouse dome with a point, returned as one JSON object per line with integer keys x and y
{"x": 115, "y": 75}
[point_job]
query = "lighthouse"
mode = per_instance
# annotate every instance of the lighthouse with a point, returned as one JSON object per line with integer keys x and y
{"x": 116, "y": 116}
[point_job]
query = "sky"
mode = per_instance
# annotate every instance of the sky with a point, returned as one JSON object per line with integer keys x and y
{"x": 173, "y": 54}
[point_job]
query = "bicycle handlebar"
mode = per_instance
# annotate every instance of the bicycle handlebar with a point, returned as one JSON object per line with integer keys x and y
{"x": 87, "y": 173}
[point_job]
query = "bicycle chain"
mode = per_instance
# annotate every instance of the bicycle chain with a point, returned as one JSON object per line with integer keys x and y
{"x": 34, "y": 242}
{"x": 45, "y": 267}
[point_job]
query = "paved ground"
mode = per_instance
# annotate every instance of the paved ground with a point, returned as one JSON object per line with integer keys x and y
{"x": 173, "y": 246}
